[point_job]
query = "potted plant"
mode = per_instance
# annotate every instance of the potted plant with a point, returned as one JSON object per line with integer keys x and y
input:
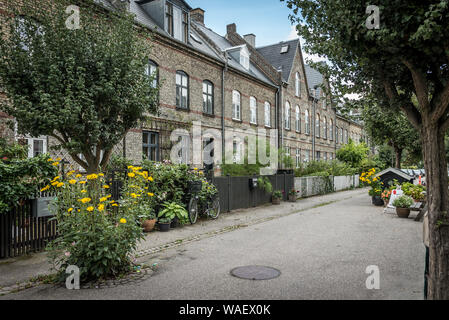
{"x": 292, "y": 195}
{"x": 386, "y": 195}
{"x": 172, "y": 210}
{"x": 276, "y": 197}
{"x": 403, "y": 204}
{"x": 164, "y": 224}
{"x": 145, "y": 214}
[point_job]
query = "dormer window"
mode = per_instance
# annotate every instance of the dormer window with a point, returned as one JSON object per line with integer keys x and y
{"x": 240, "y": 54}
{"x": 284, "y": 49}
{"x": 244, "y": 59}
{"x": 176, "y": 22}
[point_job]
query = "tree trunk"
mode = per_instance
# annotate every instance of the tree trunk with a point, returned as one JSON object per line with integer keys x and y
{"x": 437, "y": 197}
{"x": 398, "y": 154}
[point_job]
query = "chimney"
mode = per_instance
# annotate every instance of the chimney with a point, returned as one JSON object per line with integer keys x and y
{"x": 197, "y": 15}
{"x": 250, "y": 39}
{"x": 231, "y": 28}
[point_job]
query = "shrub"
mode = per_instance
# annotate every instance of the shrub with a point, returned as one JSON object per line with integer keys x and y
{"x": 96, "y": 234}
{"x": 335, "y": 168}
{"x": 173, "y": 210}
{"x": 352, "y": 153}
{"x": 277, "y": 194}
{"x": 403, "y": 202}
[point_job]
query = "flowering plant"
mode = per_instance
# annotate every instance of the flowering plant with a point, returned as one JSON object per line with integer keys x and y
{"x": 292, "y": 192}
{"x": 386, "y": 195}
{"x": 376, "y": 185}
{"x": 96, "y": 233}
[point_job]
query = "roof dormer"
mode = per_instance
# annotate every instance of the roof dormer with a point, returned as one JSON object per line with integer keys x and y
{"x": 240, "y": 54}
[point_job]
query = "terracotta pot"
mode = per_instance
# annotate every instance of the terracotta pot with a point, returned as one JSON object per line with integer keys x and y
{"x": 403, "y": 212}
{"x": 276, "y": 201}
{"x": 148, "y": 225}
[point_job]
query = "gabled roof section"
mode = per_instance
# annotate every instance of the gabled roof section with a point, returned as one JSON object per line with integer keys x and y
{"x": 314, "y": 78}
{"x": 397, "y": 172}
{"x": 179, "y": 3}
{"x": 281, "y": 61}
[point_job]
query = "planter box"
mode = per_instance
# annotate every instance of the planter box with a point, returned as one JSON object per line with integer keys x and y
{"x": 41, "y": 206}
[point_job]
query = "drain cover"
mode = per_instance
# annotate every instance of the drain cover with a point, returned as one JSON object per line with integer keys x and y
{"x": 255, "y": 272}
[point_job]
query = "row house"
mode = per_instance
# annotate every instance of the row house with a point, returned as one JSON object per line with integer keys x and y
{"x": 228, "y": 87}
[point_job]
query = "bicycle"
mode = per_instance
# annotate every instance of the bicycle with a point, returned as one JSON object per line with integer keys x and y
{"x": 211, "y": 208}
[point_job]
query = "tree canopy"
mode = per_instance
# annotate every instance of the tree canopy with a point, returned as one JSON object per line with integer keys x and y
{"x": 86, "y": 87}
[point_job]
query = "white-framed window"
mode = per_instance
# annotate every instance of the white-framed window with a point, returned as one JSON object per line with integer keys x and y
{"x": 323, "y": 103}
{"x": 237, "y": 151}
{"x": 298, "y": 158}
{"x": 331, "y": 156}
{"x": 182, "y": 90}
{"x": 317, "y": 125}
{"x": 267, "y": 114}
{"x": 341, "y": 136}
{"x": 331, "y": 130}
{"x": 208, "y": 97}
{"x": 325, "y": 127}
{"x": 153, "y": 71}
{"x": 236, "y": 111}
{"x": 177, "y": 22}
{"x": 287, "y": 116}
{"x": 307, "y": 121}
{"x": 244, "y": 59}
{"x": 307, "y": 156}
{"x": 36, "y": 146}
{"x": 298, "y": 119}
{"x": 253, "y": 110}
{"x": 298, "y": 84}
{"x": 325, "y": 156}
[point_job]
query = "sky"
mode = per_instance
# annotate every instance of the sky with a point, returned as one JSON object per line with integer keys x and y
{"x": 267, "y": 19}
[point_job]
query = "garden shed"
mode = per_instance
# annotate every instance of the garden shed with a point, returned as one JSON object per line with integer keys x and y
{"x": 390, "y": 174}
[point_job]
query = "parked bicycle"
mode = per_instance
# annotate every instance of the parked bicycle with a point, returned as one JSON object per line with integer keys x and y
{"x": 210, "y": 207}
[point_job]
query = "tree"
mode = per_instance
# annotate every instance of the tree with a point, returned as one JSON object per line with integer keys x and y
{"x": 390, "y": 126}
{"x": 86, "y": 87}
{"x": 352, "y": 153}
{"x": 405, "y": 58}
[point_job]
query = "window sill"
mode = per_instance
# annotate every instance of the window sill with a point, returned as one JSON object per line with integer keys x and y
{"x": 236, "y": 120}
{"x": 253, "y": 124}
{"x": 267, "y": 126}
{"x": 182, "y": 109}
{"x": 210, "y": 115}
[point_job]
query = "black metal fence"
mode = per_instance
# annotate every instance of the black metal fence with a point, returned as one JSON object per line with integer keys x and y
{"x": 22, "y": 233}
{"x": 235, "y": 192}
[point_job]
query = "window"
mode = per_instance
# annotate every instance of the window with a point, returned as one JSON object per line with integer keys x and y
{"x": 237, "y": 149}
{"x": 267, "y": 114}
{"x": 153, "y": 71}
{"x": 287, "y": 116}
{"x": 184, "y": 150}
{"x": 244, "y": 59}
{"x": 325, "y": 128}
{"x": 182, "y": 90}
{"x": 36, "y": 146}
{"x": 323, "y": 103}
{"x": 298, "y": 85}
{"x": 307, "y": 122}
{"x": 331, "y": 156}
{"x": 284, "y": 49}
{"x": 169, "y": 18}
{"x": 298, "y": 158}
{"x": 318, "y": 156}
{"x": 307, "y": 156}
{"x": 252, "y": 110}
{"x": 298, "y": 119}
{"x": 331, "y": 130}
{"x": 341, "y": 136}
{"x": 236, "y": 111}
{"x": 325, "y": 156}
{"x": 150, "y": 145}
{"x": 346, "y": 136}
{"x": 185, "y": 27}
{"x": 317, "y": 126}
{"x": 208, "y": 97}
{"x": 336, "y": 135}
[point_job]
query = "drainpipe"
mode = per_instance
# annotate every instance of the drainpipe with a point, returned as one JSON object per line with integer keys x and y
{"x": 223, "y": 139}
{"x": 314, "y": 124}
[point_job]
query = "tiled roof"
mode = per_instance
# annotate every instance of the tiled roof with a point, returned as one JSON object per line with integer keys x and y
{"x": 281, "y": 61}
{"x": 313, "y": 78}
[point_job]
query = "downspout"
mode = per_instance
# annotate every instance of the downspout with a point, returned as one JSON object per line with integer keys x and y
{"x": 223, "y": 139}
{"x": 314, "y": 127}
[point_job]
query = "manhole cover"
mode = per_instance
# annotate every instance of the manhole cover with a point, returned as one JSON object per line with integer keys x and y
{"x": 255, "y": 272}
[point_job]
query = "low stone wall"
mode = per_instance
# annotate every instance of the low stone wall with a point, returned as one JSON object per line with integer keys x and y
{"x": 312, "y": 186}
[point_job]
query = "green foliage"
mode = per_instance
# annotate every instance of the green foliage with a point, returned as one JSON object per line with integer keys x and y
{"x": 85, "y": 87}
{"x": 171, "y": 210}
{"x": 264, "y": 184}
{"x": 20, "y": 179}
{"x": 353, "y": 153}
{"x": 207, "y": 193}
{"x": 384, "y": 157}
{"x": 119, "y": 163}
{"x": 403, "y": 202}
{"x": 277, "y": 194}
{"x": 95, "y": 233}
{"x": 325, "y": 168}
{"x": 414, "y": 191}
{"x": 12, "y": 151}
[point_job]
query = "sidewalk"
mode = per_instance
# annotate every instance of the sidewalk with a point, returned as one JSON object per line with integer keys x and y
{"x": 22, "y": 269}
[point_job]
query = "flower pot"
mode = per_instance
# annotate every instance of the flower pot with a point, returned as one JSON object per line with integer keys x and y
{"x": 292, "y": 198}
{"x": 148, "y": 225}
{"x": 377, "y": 201}
{"x": 164, "y": 227}
{"x": 276, "y": 201}
{"x": 403, "y": 212}
{"x": 175, "y": 223}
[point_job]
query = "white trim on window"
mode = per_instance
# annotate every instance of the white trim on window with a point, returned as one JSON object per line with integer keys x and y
{"x": 267, "y": 114}
{"x": 252, "y": 110}
{"x": 236, "y": 105}
{"x": 287, "y": 115}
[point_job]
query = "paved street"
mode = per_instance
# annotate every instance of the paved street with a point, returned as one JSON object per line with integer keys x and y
{"x": 322, "y": 253}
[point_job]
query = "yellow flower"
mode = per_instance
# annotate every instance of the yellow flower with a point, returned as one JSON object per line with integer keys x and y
{"x": 106, "y": 186}
{"x": 133, "y": 195}
{"x": 103, "y": 199}
{"x": 195, "y": 169}
{"x": 92, "y": 176}
{"x": 78, "y": 175}
{"x": 59, "y": 185}
{"x": 55, "y": 163}
{"x": 54, "y": 183}
{"x": 150, "y": 179}
{"x": 90, "y": 209}
{"x": 72, "y": 181}
{"x": 131, "y": 174}
{"x": 86, "y": 200}
{"x": 115, "y": 205}
{"x": 56, "y": 178}
{"x": 70, "y": 173}
{"x": 50, "y": 159}
{"x": 70, "y": 210}
{"x": 45, "y": 188}
{"x": 122, "y": 220}
{"x": 83, "y": 191}
{"x": 108, "y": 196}
{"x": 130, "y": 167}
{"x": 83, "y": 182}
{"x": 58, "y": 159}
{"x": 101, "y": 207}
{"x": 151, "y": 194}
{"x": 101, "y": 174}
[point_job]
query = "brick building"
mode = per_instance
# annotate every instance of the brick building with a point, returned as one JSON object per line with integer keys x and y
{"x": 230, "y": 87}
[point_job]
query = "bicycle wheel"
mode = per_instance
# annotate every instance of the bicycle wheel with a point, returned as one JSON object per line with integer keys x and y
{"x": 214, "y": 208}
{"x": 193, "y": 210}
